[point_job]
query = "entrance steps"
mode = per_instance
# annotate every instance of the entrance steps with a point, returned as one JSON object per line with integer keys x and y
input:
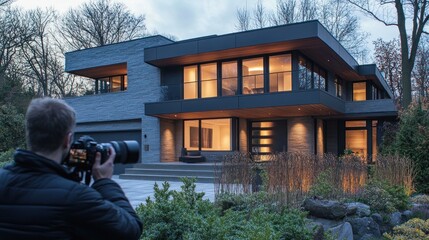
{"x": 174, "y": 171}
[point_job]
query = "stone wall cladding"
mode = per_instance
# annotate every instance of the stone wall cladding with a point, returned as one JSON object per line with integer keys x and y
{"x": 143, "y": 86}
{"x": 301, "y": 135}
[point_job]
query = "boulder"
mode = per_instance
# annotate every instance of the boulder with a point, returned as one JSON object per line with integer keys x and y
{"x": 395, "y": 219}
{"x": 343, "y": 231}
{"x": 326, "y": 223}
{"x": 360, "y": 209}
{"x": 325, "y": 208}
{"x": 364, "y": 226}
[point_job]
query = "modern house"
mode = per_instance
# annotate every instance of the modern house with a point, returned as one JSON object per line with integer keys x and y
{"x": 285, "y": 88}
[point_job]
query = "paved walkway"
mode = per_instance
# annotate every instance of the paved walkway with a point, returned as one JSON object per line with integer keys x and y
{"x": 138, "y": 191}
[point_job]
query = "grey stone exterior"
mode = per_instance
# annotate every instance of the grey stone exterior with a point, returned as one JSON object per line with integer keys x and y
{"x": 121, "y": 111}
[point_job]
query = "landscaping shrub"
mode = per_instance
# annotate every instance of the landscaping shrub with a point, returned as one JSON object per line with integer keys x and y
{"x": 323, "y": 186}
{"x": 411, "y": 140}
{"x": 384, "y": 197}
{"x": 185, "y": 215}
{"x": 6, "y": 157}
{"x": 420, "y": 199}
{"x": 414, "y": 229}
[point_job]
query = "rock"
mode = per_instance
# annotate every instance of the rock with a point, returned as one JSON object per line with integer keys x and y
{"x": 407, "y": 215}
{"x": 362, "y": 210}
{"x": 377, "y": 218}
{"x": 395, "y": 219}
{"x": 343, "y": 231}
{"x": 363, "y": 226}
{"x": 326, "y": 223}
{"x": 368, "y": 237}
{"x": 325, "y": 208}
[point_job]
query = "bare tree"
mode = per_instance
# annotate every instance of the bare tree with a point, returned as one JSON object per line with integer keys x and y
{"x": 243, "y": 18}
{"x": 388, "y": 60}
{"x": 335, "y": 15}
{"x": 13, "y": 33}
{"x": 43, "y": 61}
{"x": 5, "y": 2}
{"x": 420, "y": 73}
{"x": 415, "y": 11}
{"x": 259, "y": 19}
{"x": 100, "y": 22}
{"x": 285, "y": 13}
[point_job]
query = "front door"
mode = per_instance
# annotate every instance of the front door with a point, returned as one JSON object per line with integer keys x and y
{"x": 267, "y": 137}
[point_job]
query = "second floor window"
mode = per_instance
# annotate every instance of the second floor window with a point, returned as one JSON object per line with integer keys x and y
{"x": 359, "y": 91}
{"x": 190, "y": 82}
{"x": 253, "y": 76}
{"x": 338, "y": 87}
{"x": 208, "y": 80}
{"x": 111, "y": 84}
{"x": 229, "y": 78}
{"x": 280, "y": 73}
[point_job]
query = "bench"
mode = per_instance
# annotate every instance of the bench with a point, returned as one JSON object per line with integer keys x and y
{"x": 191, "y": 156}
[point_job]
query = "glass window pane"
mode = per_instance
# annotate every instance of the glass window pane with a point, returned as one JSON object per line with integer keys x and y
{"x": 280, "y": 73}
{"x": 229, "y": 78}
{"x": 208, "y": 88}
{"x": 208, "y": 80}
{"x": 191, "y": 135}
{"x": 125, "y": 82}
{"x": 208, "y": 71}
{"x": 359, "y": 91}
{"x": 104, "y": 85}
{"x": 253, "y": 76}
{"x": 356, "y": 141}
{"x": 350, "y": 124}
{"x": 190, "y": 88}
{"x": 116, "y": 83}
{"x": 216, "y": 134}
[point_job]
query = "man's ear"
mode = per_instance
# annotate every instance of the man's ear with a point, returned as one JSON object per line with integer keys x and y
{"x": 68, "y": 140}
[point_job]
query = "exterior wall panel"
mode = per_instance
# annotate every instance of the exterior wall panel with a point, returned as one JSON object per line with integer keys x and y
{"x": 301, "y": 135}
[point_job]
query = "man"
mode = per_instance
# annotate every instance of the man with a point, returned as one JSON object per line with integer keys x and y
{"x": 39, "y": 199}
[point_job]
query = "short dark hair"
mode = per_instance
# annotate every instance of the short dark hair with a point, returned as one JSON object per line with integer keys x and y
{"x": 47, "y": 123}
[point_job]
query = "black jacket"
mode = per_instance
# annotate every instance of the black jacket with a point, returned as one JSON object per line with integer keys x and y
{"x": 38, "y": 200}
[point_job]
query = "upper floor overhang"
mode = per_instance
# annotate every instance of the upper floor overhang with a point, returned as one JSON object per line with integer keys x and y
{"x": 315, "y": 103}
{"x": 112, "y": 59}
{"x": 310, "y": 38}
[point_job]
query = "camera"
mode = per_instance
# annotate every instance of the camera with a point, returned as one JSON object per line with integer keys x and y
{"x": 83, "y": 151}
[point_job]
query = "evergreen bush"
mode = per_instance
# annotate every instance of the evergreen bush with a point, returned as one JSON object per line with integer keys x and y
{"x": 185, "y": 215}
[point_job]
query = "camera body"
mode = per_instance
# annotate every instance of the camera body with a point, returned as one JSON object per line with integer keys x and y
{"x": 83, "y": 151}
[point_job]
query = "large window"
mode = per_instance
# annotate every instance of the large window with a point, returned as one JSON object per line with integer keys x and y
{"x": 190, "y": 82}
{"x": 356, "y": 138}
{"x": 359, "y": 91}
{"x": 111, "y": 84}
{"x": 280, "y": 73}
{"x": 208, "y": 80}
{"x": 207, "y": 134}
{"x": 229, "y": 78}
{"x": 253, "y": 76}
{"x": 338, "y": 87}
{"x": 304, "y": 74}
{"x": 320, "y": 77}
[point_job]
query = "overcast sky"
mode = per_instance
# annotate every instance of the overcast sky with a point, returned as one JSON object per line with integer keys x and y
{"x": 186, "y": 19}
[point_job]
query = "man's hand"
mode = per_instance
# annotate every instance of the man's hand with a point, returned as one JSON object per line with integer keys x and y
{"x": 104, "y": 170}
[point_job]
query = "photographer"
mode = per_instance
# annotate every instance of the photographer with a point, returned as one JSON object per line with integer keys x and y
{"x": 40, "y": 200}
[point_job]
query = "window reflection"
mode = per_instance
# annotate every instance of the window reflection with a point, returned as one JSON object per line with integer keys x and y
{"x": 229, "y": 78}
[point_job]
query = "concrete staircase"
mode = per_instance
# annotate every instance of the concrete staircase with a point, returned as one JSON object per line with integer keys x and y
{"x": 204, "y": 172}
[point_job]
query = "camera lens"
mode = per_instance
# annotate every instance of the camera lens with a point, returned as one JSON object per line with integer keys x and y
{"x": 126, "y": 151}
